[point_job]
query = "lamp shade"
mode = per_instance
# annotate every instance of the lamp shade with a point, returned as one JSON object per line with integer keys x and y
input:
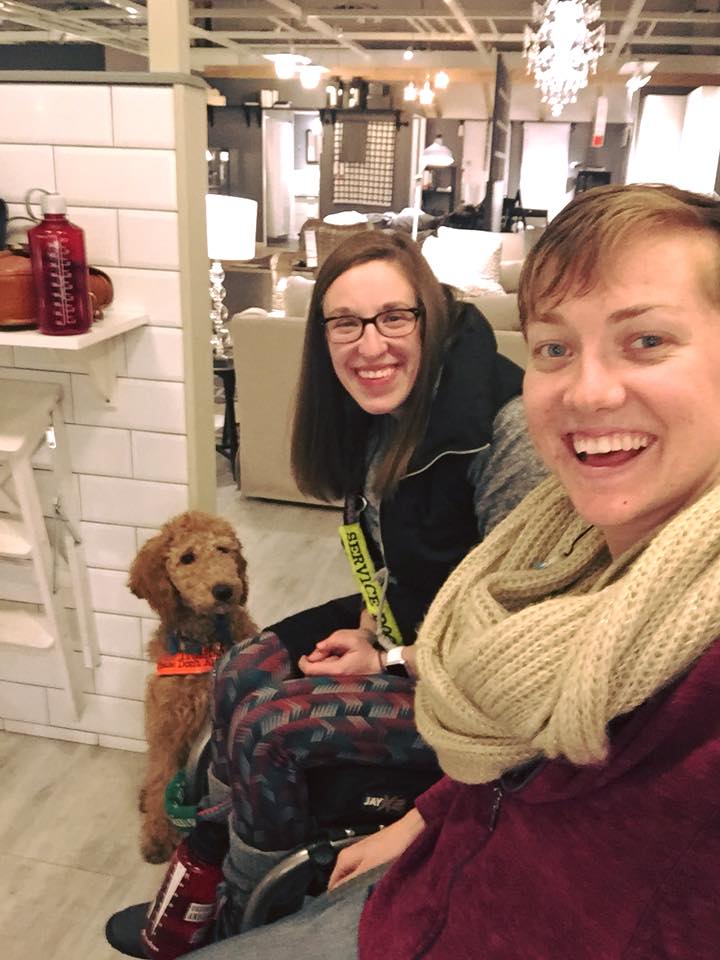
{"x": 231, "y": 225}
{"x": 436, "y": 155}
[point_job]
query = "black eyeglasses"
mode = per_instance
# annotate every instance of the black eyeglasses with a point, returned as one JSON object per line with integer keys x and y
{"x": 399, "y": 322}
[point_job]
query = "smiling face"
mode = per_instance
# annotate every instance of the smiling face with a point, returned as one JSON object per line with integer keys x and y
{"x": 378, "y": 372}
{"x": 622, "y": 391}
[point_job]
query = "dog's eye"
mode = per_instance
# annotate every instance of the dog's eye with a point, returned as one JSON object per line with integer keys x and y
{"x": 224, "y": 549}
{"x": 188, "y": 557}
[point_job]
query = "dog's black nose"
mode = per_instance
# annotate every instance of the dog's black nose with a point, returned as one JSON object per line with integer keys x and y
{"x": 222, "y": 592}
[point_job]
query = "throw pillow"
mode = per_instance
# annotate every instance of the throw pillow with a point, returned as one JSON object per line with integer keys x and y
{"x": 468, "y": 260}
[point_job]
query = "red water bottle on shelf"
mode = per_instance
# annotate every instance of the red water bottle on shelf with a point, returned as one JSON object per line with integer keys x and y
{"x": 182, "y": 916}
{"x": 60, "y": 271}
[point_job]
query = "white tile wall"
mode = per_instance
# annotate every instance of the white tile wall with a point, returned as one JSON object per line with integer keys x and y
{"x": 109, "y": 715}
{"x": 23, "y": 167}
{"x": 143, "y": 117}
{"x": 110, "y": 594}
{"x": 19, "y": 702}
{"x": 156, "y": 292}
{"x": 100, "y": 450}
{"x": 93, "y": 450}
{"x": 119, "y": 636}
{"x": 108, "y": 546}
{"x": 143, "y": 534}
{"x": 111, "y": 151}
{"x": 102, "y": 245}
{"x": 112, "y": 177}
{"x": 37, "y": 667}
{"x": 122, "y": 678}
{"x": 56, "y": 113}
{"x": 116, "y": 500}
{"x": 159, "y": 456}
{"x": 136, "y": 405}
{"x": 155, "y": 353}
{"x": 148, "y": 239}
{"x": 148, "y": 628}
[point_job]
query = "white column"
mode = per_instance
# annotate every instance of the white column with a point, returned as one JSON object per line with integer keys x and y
{"x": 169, "y": 36}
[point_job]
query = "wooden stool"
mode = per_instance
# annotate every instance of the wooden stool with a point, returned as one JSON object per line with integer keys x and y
{"x": 31, "y": 414}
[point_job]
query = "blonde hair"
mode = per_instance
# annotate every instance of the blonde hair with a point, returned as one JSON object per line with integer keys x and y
{"x": 579, "y": 245}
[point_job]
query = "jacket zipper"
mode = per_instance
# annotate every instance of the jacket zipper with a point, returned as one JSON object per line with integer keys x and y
{"x": 498, "y": 795}
{"x": 415, "y": 473}
{"x": 445, "y": 453}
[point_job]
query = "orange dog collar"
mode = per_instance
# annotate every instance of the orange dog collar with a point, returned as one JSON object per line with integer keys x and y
{"x": 178, "y": 664}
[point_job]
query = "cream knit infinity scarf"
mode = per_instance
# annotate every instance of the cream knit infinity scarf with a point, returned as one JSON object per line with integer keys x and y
{"x": 537, "y": 640}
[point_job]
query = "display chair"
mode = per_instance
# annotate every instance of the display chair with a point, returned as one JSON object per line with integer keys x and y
{"x": 38, "y": 573}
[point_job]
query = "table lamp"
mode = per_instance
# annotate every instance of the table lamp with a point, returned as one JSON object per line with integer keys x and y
{"x": 231, "y": 225}
{"x": 435, "y": 154}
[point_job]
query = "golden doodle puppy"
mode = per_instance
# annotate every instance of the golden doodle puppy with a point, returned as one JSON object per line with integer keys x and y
{"x": 193, "y": 575}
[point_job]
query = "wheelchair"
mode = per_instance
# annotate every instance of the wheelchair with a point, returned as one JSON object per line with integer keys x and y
{"x": 347, "y": 801}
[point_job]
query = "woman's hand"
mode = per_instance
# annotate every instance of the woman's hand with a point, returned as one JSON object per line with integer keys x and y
{"x": 380, "y": 847}
{"x": 343, "y": 652}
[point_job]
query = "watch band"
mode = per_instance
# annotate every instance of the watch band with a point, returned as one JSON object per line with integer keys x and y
{"x": 394, "y": 662}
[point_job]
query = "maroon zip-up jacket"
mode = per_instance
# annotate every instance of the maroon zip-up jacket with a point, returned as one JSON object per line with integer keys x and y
{"x": 619, "y": 861}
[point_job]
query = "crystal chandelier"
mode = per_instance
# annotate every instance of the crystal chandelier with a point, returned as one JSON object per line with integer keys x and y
{"x": 562, "y": 47}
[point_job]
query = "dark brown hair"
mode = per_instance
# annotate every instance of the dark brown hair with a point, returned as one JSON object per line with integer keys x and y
{"x": 580, "y": 245}
{"x": 330, "y": 429}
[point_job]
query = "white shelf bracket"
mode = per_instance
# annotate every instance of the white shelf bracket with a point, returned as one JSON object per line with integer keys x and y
{"x": 99, "y": 362}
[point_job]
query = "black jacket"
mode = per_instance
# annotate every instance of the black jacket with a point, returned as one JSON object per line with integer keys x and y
{"x": 429, "y": 524}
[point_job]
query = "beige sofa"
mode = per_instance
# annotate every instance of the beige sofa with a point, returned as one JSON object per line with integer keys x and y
{"x": 268, "y": 348}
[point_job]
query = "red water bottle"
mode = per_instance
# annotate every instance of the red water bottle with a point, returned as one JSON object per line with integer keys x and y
{"x": 181, "y": 918}
{"x": 60, "y": 271}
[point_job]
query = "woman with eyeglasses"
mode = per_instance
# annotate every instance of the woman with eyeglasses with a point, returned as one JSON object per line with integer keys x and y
{"x": 407, "y": 412}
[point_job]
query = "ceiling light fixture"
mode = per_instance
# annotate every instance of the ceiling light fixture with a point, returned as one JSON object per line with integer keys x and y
{"x": 408, "y": 54}
{"x": 441, "y": 80}
{"x": 638, "y": 72}
{"x": 311, "y": 75}
{"x": 286, "y": 64}
{"x": 562, "y": 48}
{"x": 426, "y": 94}
{"x": 410, "y": 92}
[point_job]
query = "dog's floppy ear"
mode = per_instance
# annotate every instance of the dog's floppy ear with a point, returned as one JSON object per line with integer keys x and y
{"x": 241, "y": 565}
{"x": 149, "y": 580}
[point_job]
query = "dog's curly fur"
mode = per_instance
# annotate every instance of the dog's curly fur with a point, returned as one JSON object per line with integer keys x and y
{"x": 189, "y": 573}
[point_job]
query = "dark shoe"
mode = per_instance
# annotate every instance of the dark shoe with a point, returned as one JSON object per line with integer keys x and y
{"x": 123, "y": 929}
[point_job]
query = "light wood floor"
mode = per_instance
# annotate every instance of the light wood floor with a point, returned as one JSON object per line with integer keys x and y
{"x": 68, "y": 820}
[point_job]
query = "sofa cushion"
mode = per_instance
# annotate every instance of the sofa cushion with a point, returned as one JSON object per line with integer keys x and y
{"x": 468, "y": 260}
{"x": 500, "y": 310}
{"x": 298, "y": 292}
{"x": 510, "y": 275}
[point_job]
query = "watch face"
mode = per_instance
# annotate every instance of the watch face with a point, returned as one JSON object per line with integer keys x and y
{"x": 395, "y": 662}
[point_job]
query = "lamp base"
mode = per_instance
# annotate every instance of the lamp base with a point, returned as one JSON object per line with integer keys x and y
{"x": 220, "y": 338}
